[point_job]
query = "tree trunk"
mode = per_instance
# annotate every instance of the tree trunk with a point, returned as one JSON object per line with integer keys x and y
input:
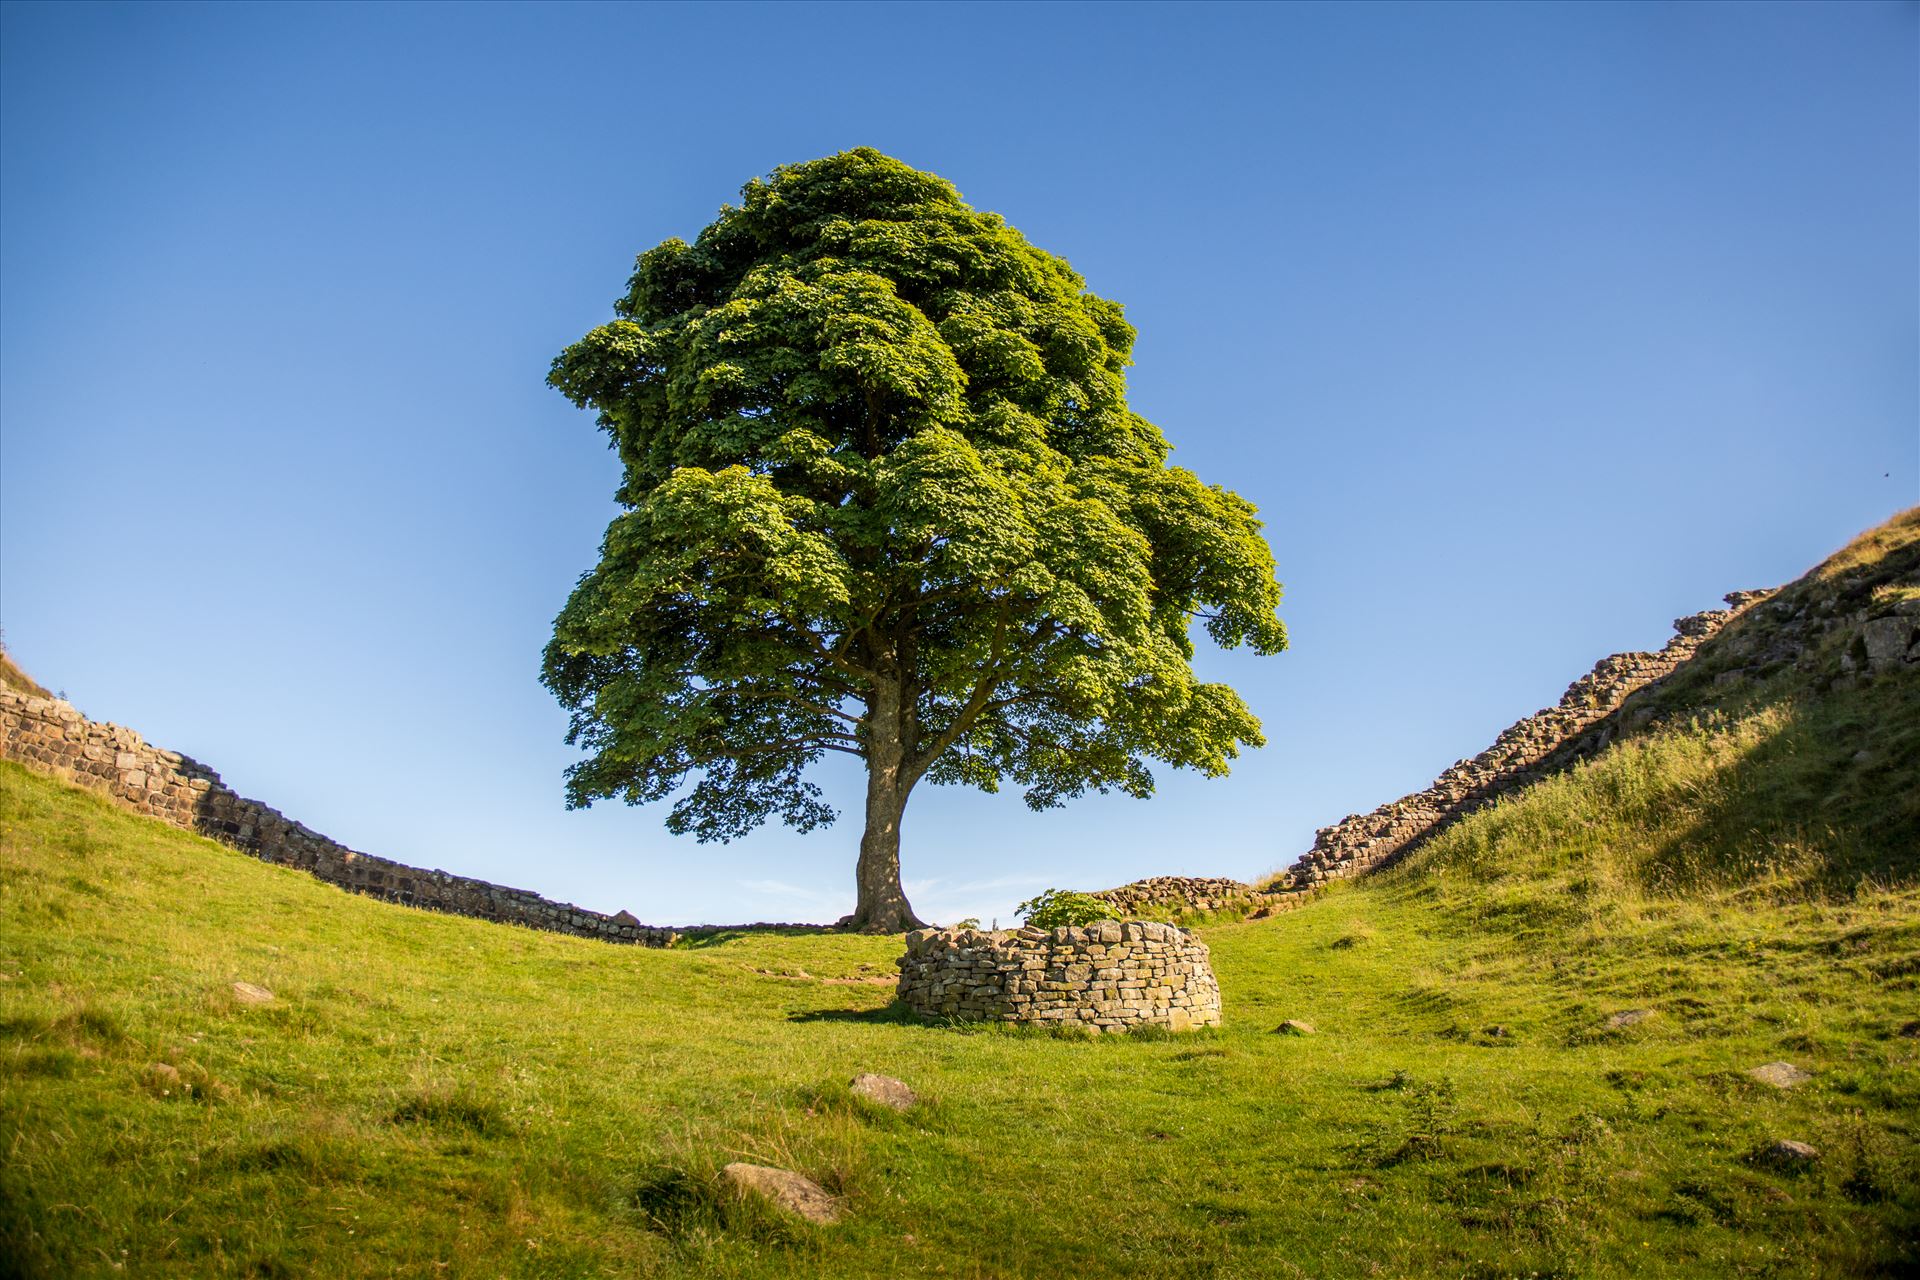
{"x": 882, "y": 905}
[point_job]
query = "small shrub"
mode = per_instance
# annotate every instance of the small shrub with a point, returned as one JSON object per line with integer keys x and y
{"x": 99, "y": 1025}
{"x": 1427, "y": 1119}
{"x": 458, "y": 1111}
{"x": 52, "y": 1064}
{"x": 1872, "y": 1171}
{"x": 1358, "y": 933}
{"x": 1056, "y": 907}
{"x": 674, "y": 1201}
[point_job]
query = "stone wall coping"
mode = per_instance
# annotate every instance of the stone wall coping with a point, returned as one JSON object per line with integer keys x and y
{"x": 1097, "y": 933}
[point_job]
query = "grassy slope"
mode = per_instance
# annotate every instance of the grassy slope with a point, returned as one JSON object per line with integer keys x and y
{"x": 434, "y": 1096}
{"x": 429, "y": 1090}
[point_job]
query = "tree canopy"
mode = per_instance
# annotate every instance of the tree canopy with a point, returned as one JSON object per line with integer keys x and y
{"x": 883, "y": 496}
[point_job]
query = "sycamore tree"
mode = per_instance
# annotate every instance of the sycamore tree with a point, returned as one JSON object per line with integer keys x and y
{"x": 882, "y": 495}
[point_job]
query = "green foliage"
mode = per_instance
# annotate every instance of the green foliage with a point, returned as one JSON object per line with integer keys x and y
{"x": 884, "y": 496}
{"x": 1056, "y": 907}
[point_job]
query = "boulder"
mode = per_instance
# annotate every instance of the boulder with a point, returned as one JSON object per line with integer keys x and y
{"x": 1628, "y": 1018}
{"x": 1886, "y": 641}
{"x": 884, "y": 1090}
{"x": 1785, "y": 1153}
{"x": 1781, "y": 1075}
{"x": 792, "y": 1192}
{"x": 1294, "y": 1027}
{"x": 247, "y": 993}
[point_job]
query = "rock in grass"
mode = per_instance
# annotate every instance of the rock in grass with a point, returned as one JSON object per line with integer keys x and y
{"x": 163, "y": 1078}
{"x": 1781, "y": 1075}
{"x": 1785, "y": 1153}
{"x": 247, "y": 993}
{"x": 793, "y": 1192}
{"x": 884, "y": 1090}
{"x": 1293, "y": 1027}
{"x": 1628, "y": 1017}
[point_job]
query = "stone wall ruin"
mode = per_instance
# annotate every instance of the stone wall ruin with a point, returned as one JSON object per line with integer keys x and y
{"x": 1578, "y": 727}
{"x": 50, "y": 736}
{"x": 1107, "y": 976}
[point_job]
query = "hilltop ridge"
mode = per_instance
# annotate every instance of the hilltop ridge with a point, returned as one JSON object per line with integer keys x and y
{"x": 1852, "y": 620}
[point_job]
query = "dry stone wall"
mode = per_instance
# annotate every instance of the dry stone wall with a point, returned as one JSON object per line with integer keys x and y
{"x": 52, "y": 737}
{"x": 1194, "y": 895}
{"x": 1108, "y": 976}
{"x": 1543, "y": 743}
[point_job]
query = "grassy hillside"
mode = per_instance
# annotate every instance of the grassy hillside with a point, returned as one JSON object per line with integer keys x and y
{"x": 434, "y": 1096}
{"x": 1825, "y": 789}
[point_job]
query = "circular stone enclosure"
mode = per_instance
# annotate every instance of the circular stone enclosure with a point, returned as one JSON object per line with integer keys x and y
{"x": 1107, "y": 976}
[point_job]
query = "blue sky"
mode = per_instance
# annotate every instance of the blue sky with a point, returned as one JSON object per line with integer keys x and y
{"x": 1528, "y": 328}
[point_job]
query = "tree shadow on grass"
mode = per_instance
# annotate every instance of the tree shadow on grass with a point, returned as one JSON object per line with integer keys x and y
{"x": 897, "y": 1013}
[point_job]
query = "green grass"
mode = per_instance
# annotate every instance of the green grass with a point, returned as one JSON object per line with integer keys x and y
{"x": 432, "y": 1096}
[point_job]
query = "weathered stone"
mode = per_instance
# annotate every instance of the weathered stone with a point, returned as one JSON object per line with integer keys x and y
{"x": 1886, "y": 641}
{"x": 163, "y": 1078}
{"x": 1786, "y": 1153}
{"x": 1781, "y": 1075}
{"x": 1629, "y": 1018}
{"x": 248, "y": 993}
{"x": 1294, "y": 1027}
{"x": 884, "y": 1089}
{"x": 793, "y": 1192}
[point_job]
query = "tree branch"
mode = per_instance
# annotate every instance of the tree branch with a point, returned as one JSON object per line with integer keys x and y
{"x": 969, "y": 712}
{"x": 835, "y": 656}
{"x": 815, "y": 741}
{"x": 781, "y": 695}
